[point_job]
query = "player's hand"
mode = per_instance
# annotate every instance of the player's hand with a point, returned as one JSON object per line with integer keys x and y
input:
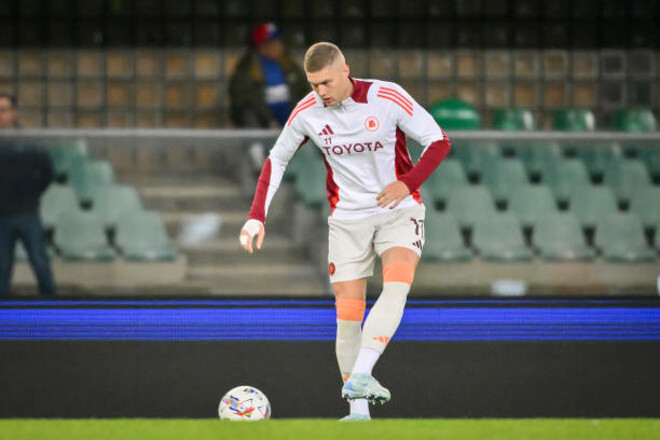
{"x": 394, "y": 192}
{"x": 251, "y": 228}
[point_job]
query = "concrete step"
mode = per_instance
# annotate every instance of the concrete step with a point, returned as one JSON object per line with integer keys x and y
{"x": 253, "y": 279}
{"x": 232, "y": 221}
{"x": 276, "y": 248}
{"x": 200, "y": 198}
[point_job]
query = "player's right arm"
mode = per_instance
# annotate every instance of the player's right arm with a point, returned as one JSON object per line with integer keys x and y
{"x": 290, "y": 140}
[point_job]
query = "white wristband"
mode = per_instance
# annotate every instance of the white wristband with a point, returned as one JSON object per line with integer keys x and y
{"x": 252, "y": 227}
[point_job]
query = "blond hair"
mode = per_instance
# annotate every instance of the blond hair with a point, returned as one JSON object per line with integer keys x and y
{"x": 321, "y": 55}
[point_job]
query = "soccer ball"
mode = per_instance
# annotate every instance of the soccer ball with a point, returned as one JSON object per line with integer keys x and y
{"x": 244, "y": 403}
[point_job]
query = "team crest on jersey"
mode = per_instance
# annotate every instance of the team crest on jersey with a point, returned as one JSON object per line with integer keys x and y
{"x": 371, "y": 123}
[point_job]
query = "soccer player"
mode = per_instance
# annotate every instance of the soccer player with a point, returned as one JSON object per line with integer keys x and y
{"x": 359, "y": 128}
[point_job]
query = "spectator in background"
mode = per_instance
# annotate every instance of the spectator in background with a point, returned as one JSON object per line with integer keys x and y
{"x": 25, "y": 173}
{"x": 267, "y": 82}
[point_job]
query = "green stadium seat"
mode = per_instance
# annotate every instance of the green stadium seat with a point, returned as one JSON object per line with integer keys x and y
{"x": 311, "y": 183}
{"x": 574, "y": 119}
{"x": 503, "y": 176}
{"x": 625, "y": 177}
{"x": 476, "y": 157}
{"x": 66, "y": 155}
{"x": 20, "y": 254}
{"x": 565, "y": 176}
{"x": 645, "y": 202}
{"x": 532, "y": 203}
{"x": 598, "y": 157}
{"x": 142, "y": 236}
{"x": 90, "y": 176}
{"x": 449, "y": 175}
{"x": 651, "y": 158}
{"x": 558, "y": 236}
{"x": 56, "y": 200}
{"x": 468, "y": 204}
{"x": 112, "y": 200}
{"x": 590, "y": 204}
{"x": 306, "y": 154}
{"x": 621, "y": 238}
{"x": 443, "y": 239}
{"x": 639, "y": 119}
{"x": 537, "y": 157}
{"x": 79, "y": 235}
{"x": 514, "y": 119}
{"x": 498, "y": 237}
{"x": 454, "y": 114}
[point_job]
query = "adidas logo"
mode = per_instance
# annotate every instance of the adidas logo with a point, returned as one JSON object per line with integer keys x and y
{"x": 418, "y": 244}
{"x": 381, "y": 339}
{"x": 327, "y": 131}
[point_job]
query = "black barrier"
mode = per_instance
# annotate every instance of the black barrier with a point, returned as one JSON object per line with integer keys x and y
{"x": 427, "y": 379}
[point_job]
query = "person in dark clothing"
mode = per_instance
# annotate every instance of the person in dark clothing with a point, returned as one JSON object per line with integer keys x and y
{"x": 267, "y": 82}
{"x": 25, "y": 173}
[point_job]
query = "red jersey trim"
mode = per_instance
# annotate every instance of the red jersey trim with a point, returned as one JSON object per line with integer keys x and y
{"x": 360, "y": 90}
{"x": 331, "y": 187}
{"x": 402, "y": 161}
{"x": 258, "y": 208}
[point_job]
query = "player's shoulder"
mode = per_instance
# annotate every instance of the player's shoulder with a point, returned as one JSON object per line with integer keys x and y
{"x": 310, "y": 100}
{"x": 393, "y": 94}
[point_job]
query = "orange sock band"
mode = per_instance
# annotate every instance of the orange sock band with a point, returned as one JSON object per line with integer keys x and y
{"x": 399, "y": 272}
{"x": 350, "y": 309}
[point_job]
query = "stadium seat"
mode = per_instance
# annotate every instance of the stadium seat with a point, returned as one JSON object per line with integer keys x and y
{"x": 56, "y": 200}
{"x": 625, "y": 177}
{"x": 574, "y": 119}
{"x": 443, "y": 238}
{"x": 66, "y": 155}
{"x": 645, "y": 202}
{"x": 565, "y": 176}
{"x": 621, "y": 238}
{"x": 558, "y": 236}
{"x": 449, "y": 175}
{"x": 454, "y": 114}
{"x": 477, "y": 156}
{"x": 468, "y": 204}
{"x": 141, "y": 236}
{"x": 639, "y": 119}
{"x": 503, "y": 176}
{"x": 650, "y": 156}
{"x": 597, "y": 157}
{"x": 20, "y": 254}
{"x": 498, "y": 237}
{"x": 306, "y": 154}
{"x": 311, "y": 183}
{"x": 538, "y": 157}
{"x": 89, "y": 176}
{"x": 531, "y": 204}
{"x": 590, "y": 204}
{"x": 513, "y": 119}
{"x": 112, "y": 200}
{"x": 79, "y": 235}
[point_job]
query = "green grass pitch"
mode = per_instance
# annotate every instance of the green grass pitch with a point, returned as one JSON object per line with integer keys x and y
{"x": 320, "y": 429}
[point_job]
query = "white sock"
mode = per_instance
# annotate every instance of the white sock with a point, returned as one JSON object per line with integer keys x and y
{"x": 367, "y": 358}
{"x": 359, "y": 406}
{"x": 381, "y": 324}
{"x": 346, "y": 348}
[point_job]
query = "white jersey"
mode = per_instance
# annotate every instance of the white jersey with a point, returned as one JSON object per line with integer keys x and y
{"x": 363, "y": 143}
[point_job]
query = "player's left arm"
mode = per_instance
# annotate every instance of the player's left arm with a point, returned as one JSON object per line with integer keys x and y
{"x": 417, "y": 123}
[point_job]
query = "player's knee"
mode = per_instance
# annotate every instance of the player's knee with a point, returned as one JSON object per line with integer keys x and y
{"x": 399, "y": 272}
{"x": 350, "y": 309}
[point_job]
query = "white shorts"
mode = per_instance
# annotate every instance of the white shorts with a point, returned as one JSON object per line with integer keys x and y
{"x": 354, "y": 244}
